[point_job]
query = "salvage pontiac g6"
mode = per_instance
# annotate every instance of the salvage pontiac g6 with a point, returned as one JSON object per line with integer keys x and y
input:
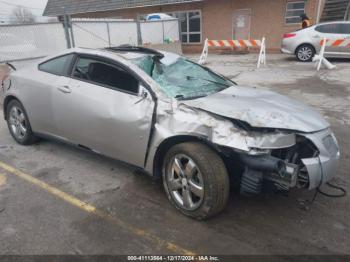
{"x": 198, "y": 130}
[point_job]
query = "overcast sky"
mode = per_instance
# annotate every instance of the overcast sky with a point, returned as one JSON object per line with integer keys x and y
{"x": 35, "y": 6}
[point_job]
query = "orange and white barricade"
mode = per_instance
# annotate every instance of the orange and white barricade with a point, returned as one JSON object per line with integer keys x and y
{"x": 235, "y": 44}
{"x": 341, "y": 43}
{"x": 345, "y": 42}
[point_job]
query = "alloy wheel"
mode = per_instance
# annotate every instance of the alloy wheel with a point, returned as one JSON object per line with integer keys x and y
{"x": 185, "y": 182}
{"x": 305, "y": 53}
{"x": 18, "y": 123}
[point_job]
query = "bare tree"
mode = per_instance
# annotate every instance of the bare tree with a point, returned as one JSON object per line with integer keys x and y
{"x": 21, "y": 15}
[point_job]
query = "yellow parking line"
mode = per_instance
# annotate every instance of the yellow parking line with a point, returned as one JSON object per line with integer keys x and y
{"x": 2, "y": 180}
{"x": 91, "y": 209}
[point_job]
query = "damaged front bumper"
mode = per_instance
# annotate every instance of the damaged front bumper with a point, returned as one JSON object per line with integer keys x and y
{"x": 323, "y": 167}
{"x": 311, "y": 162}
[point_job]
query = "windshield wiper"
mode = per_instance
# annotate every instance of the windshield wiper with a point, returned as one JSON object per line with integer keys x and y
{"x": 182, "y": 97}
{"x": 210, "y": 81}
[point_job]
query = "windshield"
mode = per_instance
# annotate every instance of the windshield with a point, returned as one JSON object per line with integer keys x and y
{"x": 183, "y": 79}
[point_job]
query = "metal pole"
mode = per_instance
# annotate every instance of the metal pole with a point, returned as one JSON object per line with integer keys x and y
{"x": 70, "y": 25}
{"x": 109, "y": 34}
{"x": 180, "y": 30}
{"x": 66, "y": 30}
{"x": 139, "y": 35}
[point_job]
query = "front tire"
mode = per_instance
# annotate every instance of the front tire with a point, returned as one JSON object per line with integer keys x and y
{"x": 18, "y": 124}
{"x": 196, "y": 180}
{"x": 305, "y": 53}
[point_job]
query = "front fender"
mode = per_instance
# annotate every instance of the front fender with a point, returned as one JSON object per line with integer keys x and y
{"x": 184, "y": 123}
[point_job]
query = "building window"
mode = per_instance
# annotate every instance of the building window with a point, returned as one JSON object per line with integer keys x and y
{"x": 191, "y": 26}
{"x": 293, "y": 12}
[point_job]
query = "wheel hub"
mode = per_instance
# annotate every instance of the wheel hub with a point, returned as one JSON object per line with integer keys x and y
{"x": 305, "y": 53}
{"x": 17, "y": 122}
{"x": 185, "y": 182}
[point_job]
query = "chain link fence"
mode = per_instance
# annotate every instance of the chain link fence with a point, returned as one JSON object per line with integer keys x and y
{"x": 20, "y": 42}
{"x": 24, "y": 42}
{"x": 102, "y": 33}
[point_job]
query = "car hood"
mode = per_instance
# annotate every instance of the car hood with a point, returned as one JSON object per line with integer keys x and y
{"x": 261, "y": 108}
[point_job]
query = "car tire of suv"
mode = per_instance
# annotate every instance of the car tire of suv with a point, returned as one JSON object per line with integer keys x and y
{"x": 305, "y": 53}
{"x": 201, "y": 168}
{"x": 18, "y": 124}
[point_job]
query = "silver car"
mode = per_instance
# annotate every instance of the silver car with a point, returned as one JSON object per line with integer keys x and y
{"x": 305, "y": 43}
{"x": 199, "y": 131}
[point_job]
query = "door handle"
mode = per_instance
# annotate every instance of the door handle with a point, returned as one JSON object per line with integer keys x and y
{"x": 65, "y": 89}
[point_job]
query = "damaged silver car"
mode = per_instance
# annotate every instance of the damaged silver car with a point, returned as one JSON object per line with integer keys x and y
{"x": 199, "y": 131}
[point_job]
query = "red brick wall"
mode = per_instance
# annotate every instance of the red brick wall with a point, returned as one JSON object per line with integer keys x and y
{"x": 267, "y": 19}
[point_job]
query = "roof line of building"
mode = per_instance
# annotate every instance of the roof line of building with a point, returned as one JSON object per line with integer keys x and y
{"x": 65, "y": 11}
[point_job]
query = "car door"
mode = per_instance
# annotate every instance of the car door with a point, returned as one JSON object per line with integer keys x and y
{"x": 36, "y": 94}
{"x": 105, "y": 108}
{"x": 332, "y": 32}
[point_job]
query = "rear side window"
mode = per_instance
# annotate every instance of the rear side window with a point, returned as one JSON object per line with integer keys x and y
{"x": 330, "y": 29}
{"x": 57, "y": 66}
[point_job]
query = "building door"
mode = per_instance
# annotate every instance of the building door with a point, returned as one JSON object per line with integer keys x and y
{"x": 241, "y": 24}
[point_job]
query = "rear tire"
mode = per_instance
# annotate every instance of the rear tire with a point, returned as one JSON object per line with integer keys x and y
{"x": 305, "y": 53}
{"x": 195, "y": 180}
{"x": 18, "y": 124}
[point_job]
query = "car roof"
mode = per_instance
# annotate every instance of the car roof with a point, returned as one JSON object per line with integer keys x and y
{"x": 333, "y": 22}
{"x": 123, "y": 53}
{"x": 167, "y": 58}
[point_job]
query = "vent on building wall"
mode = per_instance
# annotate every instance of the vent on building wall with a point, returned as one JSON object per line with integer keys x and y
{"x": 336, "y": 10}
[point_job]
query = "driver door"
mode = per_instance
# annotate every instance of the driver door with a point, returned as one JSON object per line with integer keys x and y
{"x": 105, "y": 108}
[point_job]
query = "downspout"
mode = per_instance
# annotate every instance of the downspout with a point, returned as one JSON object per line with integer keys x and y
{"x": 347, "y": 13}
{"x": 319, "y": 7}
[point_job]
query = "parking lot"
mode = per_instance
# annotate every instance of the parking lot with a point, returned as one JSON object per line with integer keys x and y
{"x": 57, "y": 199}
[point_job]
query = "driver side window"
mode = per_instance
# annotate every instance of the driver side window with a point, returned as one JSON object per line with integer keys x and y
{"x": 105, "y": 74}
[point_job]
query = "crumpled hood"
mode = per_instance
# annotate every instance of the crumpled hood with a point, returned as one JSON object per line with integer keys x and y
{"x": 261, "y": 108}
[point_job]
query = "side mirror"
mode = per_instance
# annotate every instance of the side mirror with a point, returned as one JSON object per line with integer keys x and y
{"x": 143, "y": 94}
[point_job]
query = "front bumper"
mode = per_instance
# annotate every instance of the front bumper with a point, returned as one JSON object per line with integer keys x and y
{"x": 311, "y": 162}
{"x": 323, "y": 167}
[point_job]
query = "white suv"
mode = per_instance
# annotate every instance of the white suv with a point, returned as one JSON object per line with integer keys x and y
{"x": 306, "y": 42}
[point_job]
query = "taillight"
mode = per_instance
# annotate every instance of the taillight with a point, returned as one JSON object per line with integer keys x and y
{"x": 289, "y": 35}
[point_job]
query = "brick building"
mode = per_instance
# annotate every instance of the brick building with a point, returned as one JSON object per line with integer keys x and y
{"x": 201, "y": 19}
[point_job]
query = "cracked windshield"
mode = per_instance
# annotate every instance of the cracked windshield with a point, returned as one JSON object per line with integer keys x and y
{"x": 183, "y": 79}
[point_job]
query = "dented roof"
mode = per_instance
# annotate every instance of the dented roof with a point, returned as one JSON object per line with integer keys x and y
{"x": 58, "y": 7}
